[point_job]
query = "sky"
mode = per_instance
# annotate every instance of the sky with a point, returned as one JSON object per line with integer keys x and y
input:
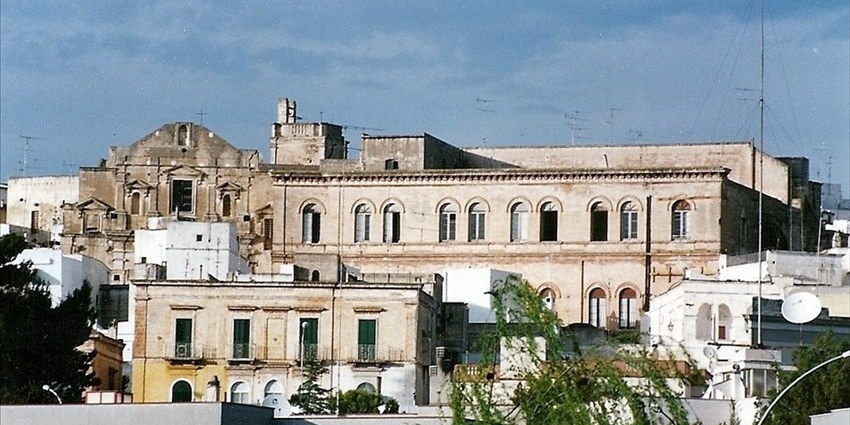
{"x": 79, "y": 76}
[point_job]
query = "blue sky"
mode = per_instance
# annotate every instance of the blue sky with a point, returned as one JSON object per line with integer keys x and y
{"x": 83, "y": 76}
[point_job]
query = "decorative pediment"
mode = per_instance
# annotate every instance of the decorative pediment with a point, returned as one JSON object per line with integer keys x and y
{"x": 137, "y": 185}
{"x": 266, "y": 210}
{"x": 228, "y": 187}
{"x": 94, "y": 204}
{"x": 183, "y": 171}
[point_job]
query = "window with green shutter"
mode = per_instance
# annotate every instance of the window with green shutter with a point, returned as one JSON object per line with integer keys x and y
{"x": 241, "y": 338}
{"x": 366, "y": 339}
{"x": 309, "y": 337}
{"x": 183, "y": 338}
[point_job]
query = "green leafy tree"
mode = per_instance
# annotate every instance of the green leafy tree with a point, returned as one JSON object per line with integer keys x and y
{"x": 311, "y": 397}
{"x": 362, "y": 402}
{"x": 38, "y": 342}
{"x": 558, "y": 382}
{"x": 826, "y": 389}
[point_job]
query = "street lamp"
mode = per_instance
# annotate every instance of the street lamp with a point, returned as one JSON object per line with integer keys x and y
{"x": 46, "y": 387}
{"x": 843, "y": 355}
{"x": 304, "y": 325}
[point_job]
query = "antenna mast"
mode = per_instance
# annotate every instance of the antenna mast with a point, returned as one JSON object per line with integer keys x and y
{"x": 27, "y": 140}
{"x": 761, "y": 170}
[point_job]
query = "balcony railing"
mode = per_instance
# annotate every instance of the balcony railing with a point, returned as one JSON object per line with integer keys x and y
{"x": 188, "y": 351}
{"x": 371, "y": 353}
{"x": 241, "y": 351}
{"x": 366, "y": 353}
{"x": 310, "y": 352}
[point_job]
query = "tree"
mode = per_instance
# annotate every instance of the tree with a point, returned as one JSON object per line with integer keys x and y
{"x": 38, "y": 342}
{"x": 362, "y": 402}
{"x": 552, "y": 380}
{"x": 311, "y": 397}
{"x": 825, "y": 389}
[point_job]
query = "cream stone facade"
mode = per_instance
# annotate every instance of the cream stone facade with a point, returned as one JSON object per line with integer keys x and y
{"x": 252, "y": 335}
{"x": 598, "y": 228}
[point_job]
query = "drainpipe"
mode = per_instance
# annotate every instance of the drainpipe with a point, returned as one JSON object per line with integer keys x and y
{"x": 648, "y": 256}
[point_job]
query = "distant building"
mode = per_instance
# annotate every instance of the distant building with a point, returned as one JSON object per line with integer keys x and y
{"x": 253, "y": 332}
{"x": 598, "y": 228}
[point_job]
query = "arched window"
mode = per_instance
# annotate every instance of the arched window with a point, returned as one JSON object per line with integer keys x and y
{"x": 367, "y": 388}
{"x": 362, "y": 223}
{"x": 135, "y": 203}
{"x": 314, "y": 276}
{"x": 598, "y": 222}
{"x": 724, "y": 322}
{"x": 477, "y": 214}
{"x": 240, "y": 392}
{"x": 273, "y": 387}
{"x": 681, "y": 220}
{"x": 181, "y": 392}
{"x": 448, "y": 222}
{"x": 183, "y": 136}
{"x": 311, "y": 224}
{"x": 628, "y": 308}
{"x": 548, "y": 297}
{"x": 703, "y": 322}
{"x": 548, "y": 222}
{"x": 628, "y": 221}
{"x": 392, "y": 223}
{"x": 225, "y": 206}
{"x": 597, "y": 308}
{"x": 519, "y": 222}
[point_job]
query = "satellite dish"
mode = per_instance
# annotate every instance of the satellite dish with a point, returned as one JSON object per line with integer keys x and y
{"x": 282, "y": 408}
{"x": 801, "y": 307}
{"x": 709, "y": 352}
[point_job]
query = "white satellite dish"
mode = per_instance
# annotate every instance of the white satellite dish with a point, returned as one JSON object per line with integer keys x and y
{"x": 801, "y": 307}
{"x": 709, "y": 352}
{"x": 282, "y": 408}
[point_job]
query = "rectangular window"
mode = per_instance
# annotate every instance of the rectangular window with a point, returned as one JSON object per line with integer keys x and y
{"x": 268, "y": 232}
{"x": 392, "y": 226}
{"x": 476, "y": 226}
{"x": 680, "y": 225}
{"x": 548, "y": 226}
{"x": 33, "y": 220}
{"x": 519, "y": 226}
{"x": 311, "y": 227}
{"x": 448, "y": 226}
{"x": 628, "y": 225}
{"x": 241, "y": 338}
{"x": 628, "y": 312}
{"x": 361, "y": 227}
{"x": 183, "y": 339}
{"x": 366, "y": 339}
{"x": 309, "y": 337}
{"x": 181, "y": 196}
{"x": 599, "y": 226}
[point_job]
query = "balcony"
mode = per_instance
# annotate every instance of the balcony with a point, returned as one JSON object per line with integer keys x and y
{"x": 366, "y": 353}
{"x": 371, "y": 354}
{"x": 187, "y": 352}
{"x": 241, "y": 352}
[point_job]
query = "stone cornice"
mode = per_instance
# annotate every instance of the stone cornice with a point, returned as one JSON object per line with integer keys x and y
{"x": 483, "y": 176}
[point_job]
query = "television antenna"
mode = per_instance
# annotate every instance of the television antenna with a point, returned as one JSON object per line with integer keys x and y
{"x": 610, "y": 122}
{"x": 573, "y": 119}
{"x": 27, "y": 140}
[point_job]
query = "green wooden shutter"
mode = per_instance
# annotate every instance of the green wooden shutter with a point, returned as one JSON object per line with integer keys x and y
{"x": 183, "y": 334}
{"x": 366, "y": 334}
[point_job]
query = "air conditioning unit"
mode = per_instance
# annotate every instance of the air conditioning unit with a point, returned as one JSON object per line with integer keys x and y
{"x": 183, "y": 351}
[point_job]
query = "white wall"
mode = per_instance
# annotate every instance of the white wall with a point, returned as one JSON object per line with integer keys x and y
{"x": 472, "y": 286}
{"x": 65, "y": 273}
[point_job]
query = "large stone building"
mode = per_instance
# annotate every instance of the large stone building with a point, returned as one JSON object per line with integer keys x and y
{"x": 596, "y": 228}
